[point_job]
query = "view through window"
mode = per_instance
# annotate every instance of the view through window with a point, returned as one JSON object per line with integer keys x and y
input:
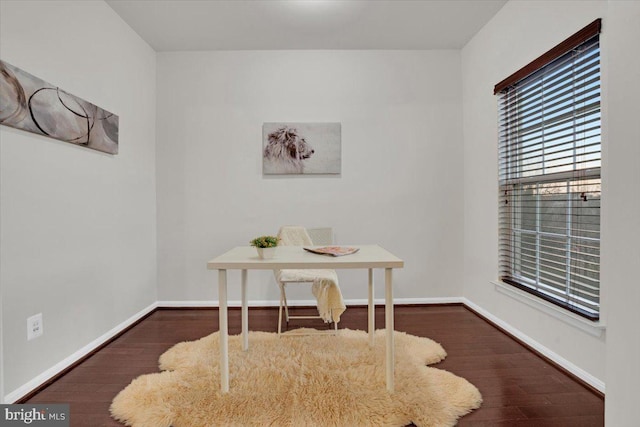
{"x": 549, "y": 178}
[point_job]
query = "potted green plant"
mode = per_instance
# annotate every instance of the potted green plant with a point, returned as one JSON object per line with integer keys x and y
{"x": 265, "y": 245}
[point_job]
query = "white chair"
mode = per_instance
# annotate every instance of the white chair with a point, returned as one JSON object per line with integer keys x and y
{"x": 301, "y": 237}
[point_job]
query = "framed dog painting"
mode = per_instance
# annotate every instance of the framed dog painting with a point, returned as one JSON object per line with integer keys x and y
{"x": 301, "y": 148}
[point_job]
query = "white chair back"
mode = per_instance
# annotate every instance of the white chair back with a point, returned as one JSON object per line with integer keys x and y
{"x": 321, "y": 236}
{"x": 294, "y": 235}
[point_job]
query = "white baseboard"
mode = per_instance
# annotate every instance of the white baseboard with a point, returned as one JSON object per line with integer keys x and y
{"x": 275, "y": 303}
{"x": 556, "y": 358}
{"x": 73, "y": 358}
{"x": 70, "y": 360}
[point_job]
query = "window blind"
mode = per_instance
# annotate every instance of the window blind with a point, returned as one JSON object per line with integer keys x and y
{"x": 549, "y": 180}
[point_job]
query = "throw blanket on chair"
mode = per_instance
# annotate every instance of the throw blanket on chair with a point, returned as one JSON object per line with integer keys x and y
{"x": 325, "y": 282}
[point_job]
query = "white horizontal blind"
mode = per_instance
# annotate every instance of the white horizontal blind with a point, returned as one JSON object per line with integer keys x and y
{"x": 549, "y": 172}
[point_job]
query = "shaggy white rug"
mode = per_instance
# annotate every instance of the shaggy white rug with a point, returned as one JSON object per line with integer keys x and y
{"x": 316, "y": 380}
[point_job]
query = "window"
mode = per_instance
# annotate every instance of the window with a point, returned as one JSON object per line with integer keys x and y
{"x": 549, "y": 175}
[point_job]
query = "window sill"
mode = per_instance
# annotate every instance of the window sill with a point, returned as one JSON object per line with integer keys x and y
{"x": 595, "y": 329}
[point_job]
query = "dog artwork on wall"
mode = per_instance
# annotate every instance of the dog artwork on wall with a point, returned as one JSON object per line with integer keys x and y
{"x": 301, "y": 148}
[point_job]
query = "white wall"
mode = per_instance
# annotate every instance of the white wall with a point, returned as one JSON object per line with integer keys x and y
{"x": 400, "y": 185}
{"x": 534, "y": 27}
{"x": 520, "y": 32}
{"x": 77, "y": 226}
{"x": 621, "y": 226}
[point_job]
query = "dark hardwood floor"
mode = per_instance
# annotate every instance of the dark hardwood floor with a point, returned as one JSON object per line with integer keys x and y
{"x": 519, "y": 388}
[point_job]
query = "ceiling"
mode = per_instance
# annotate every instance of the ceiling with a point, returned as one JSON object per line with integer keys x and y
{"x": 178, "y": 25}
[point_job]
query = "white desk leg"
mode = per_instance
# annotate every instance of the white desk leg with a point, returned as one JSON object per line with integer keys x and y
{"x": 372, "y": 310}
{"x": 224, "y": 331}
{"x": 389, "y": 327}
{"x": 245, "y": 313}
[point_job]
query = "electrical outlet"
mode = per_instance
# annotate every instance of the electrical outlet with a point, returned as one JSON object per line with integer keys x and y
{"x": 34, "y": 326}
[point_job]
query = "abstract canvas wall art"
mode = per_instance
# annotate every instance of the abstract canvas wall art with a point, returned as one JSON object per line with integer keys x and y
{"x": 31, "y": 104}
{"x": 301, "y": 148}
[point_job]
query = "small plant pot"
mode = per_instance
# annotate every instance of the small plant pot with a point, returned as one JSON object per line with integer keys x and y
{"x": 266, "y": 253}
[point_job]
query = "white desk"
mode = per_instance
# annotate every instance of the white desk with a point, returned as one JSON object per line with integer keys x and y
{"x": 294, "y": 257}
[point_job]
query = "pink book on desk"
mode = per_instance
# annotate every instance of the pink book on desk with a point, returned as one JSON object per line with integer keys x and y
{"x": 333, "y": 250}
